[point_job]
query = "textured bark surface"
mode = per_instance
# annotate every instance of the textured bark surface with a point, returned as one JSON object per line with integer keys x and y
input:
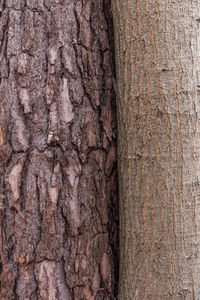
{"x": 156, "y": 44}
{"x": 58, "y": 192}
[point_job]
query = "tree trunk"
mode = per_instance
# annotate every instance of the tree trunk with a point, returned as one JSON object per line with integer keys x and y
{"x": 156, "y": 44}
{"x": 58, "y": 192}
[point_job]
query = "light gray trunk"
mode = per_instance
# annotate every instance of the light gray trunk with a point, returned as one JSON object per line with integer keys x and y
{"x": 159, "y": 148}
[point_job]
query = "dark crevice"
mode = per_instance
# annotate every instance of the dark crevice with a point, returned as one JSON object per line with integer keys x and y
{"x": 108, "y": 15}
{"x": 15, "y": 286}
{"x": 113, "y": 225}
{"x": 39, "y": 214}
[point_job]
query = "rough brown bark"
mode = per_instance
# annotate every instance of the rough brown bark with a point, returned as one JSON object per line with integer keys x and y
{"x": 58, "y": 190}
{"x": 157, "y": 63}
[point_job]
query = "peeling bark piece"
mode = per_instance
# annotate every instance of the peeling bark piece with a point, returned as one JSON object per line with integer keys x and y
{"x": 72, "y": 203}
{"x": 53, "y": 194}
{"x": 5, "y": 149}
{"x": 1, "y": 137}
{"x": 14, "y": 179}
{"x": 53, "y": 55}
{"x": 105, "y": 266}
{"x": 23, "y": 64}
{"x": 66, "y": 108}
{"x": 54, "y": 189}
{"x": 25, "y": 99}
{"x": 19, "y": 136}
{"x": 53, "y": 124}
{"x": 68, "y": 59}
{"x": 46, "y": 280}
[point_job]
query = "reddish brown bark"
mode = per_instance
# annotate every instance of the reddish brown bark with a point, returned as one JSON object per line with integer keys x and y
{"x": 58, "y": 190}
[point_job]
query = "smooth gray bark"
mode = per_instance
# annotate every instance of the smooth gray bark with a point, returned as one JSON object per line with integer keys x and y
{"x": 157, "y": 63}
